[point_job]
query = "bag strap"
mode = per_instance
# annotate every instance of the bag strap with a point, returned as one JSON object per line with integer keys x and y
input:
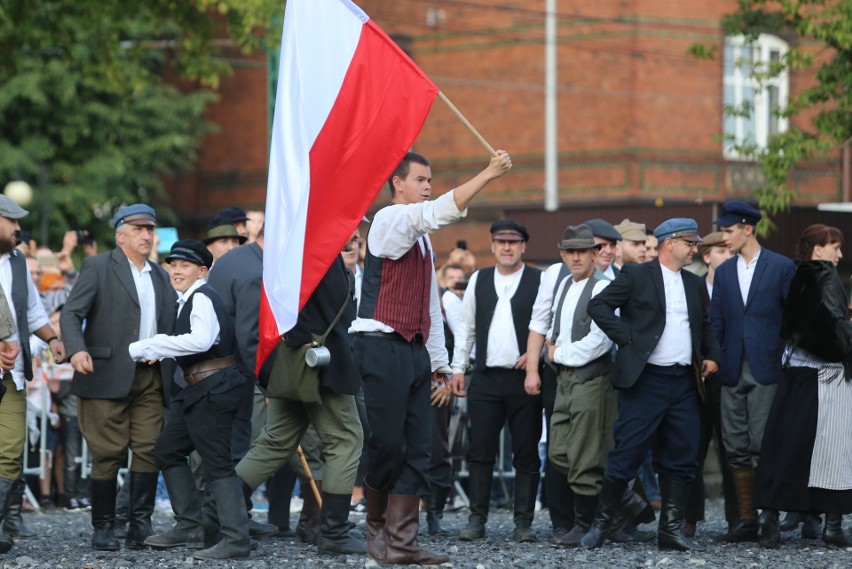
{"x": 334, "y": 322}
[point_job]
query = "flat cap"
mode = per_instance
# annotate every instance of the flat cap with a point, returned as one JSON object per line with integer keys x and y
{"x": 222, "y": 228}
{"x": 578, "y": 238}
{"x": 735, "y": 211}
{"x": 508, "y": 230}
{"x": 235, "y": 214}
{"x": 631, "y": 231}
{"x": 191, "y": 250}
{"x": 10, "y": 209}
{"x": 714, "y": 239}
{"x": 677, "y": 227}
{"x": 603, "y": 229}
{"x": 135, "y": 214}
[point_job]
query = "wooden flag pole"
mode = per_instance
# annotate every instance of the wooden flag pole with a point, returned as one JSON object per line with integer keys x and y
{"x": 466, "y": 123}
{"x": 310, "y": 476}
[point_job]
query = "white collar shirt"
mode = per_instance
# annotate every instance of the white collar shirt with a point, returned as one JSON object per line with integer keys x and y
{"x": 745, "y": 273}
{"x": 147, "y": 299}
{"x": 675, "y": 344}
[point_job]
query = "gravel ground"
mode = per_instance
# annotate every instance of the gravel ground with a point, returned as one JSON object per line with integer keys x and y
{"x": 65, "y": 542}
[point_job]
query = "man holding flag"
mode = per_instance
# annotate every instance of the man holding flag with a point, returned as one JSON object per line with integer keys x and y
{"x": 400, "y": 348}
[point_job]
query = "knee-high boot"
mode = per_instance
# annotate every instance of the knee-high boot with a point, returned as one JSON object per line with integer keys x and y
{"x": 103, "y": 514}
{"x": 401, "y": 527}
{"x": 233, "y": 521}
{"x": 479, "y": 492}
{"x": 670, "y": 534}
{"x": 143, "y": 489}
{"x": 186, "y": 504}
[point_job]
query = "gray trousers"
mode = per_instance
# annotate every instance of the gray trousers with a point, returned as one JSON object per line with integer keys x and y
{"x": 745, "y": 408}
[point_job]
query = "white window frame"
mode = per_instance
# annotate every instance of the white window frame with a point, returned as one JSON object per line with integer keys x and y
{"x": 737, "y": 77}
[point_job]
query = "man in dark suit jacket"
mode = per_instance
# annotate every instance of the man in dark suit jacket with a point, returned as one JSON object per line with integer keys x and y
{"x": 664, "y": 342}
{"x": 749, "y": 293}
{"x": 334, "y": 417}
{"x": 121, "y": 297}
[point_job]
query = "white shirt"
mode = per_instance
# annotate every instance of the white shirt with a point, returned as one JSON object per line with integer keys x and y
{"x": 394, "y": 231}
{"x": 453, "y": 310}
{"x": 609, "y": 273}
{"x": 745, "y": 273}
{"x": 542, "y": 311}
{"x": 587, "y": 349}
{"x": 709, "y": 289}
{"x": 675, "y": 345}
{"x": 358, "y": 278}
{"x": 203, "y": 335}
{"x": 36, "y": 316}
{"x": 502, "y": 339}
{"x": 147, "y": 299}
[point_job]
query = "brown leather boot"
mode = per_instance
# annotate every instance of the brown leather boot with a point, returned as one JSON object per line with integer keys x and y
{"x": 746, "y": 527}
{"x": 308, "y": 530}
{"x": 403, "y": 522}
{"x": 377, "y": 505}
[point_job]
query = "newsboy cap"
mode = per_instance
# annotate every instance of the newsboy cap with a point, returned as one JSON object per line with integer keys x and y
{"x": 578, "y": 238}
{"x": 631, "y": 231}
{"x": 135, "y": 214}
{"x": 677, "y": 227}
{"x": 715, "y": 239}
{"x": 735, "y": 211}
{"x": 10, "y": 209}
{"x": 508, "y": 230}
{"x": 191, "y": 250}
{"x": 603, "y": 229}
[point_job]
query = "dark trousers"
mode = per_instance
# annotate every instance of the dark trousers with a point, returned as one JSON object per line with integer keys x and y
{"x": 365, "y": 427}
{"x": 494, "y": 397}
{"x": 711, "y": 428}
{"x": 397, "y": 380}
{"x": 557, "y": 492}
{"x": 663, "y": 400}
{"x": 440, "y": 467}
{"x": 205, "y": 426}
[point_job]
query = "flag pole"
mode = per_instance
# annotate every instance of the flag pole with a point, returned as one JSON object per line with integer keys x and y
{"x": 466, "y": 123}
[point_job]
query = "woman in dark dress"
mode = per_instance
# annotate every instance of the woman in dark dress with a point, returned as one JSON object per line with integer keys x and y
{"x": 806, "y": 460}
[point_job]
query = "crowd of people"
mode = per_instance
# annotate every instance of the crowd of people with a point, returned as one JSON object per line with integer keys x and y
{"x": 638, "y": 348}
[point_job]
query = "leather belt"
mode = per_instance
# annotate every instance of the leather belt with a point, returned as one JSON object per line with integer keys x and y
{"x": 205, "y": 369}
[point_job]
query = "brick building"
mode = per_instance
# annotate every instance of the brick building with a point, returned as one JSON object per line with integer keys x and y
{"x": 640, "y": 120}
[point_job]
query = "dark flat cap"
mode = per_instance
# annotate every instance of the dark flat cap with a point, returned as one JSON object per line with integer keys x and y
{"x": 10, "y": 209}
{"x": 136, "y": 214}
{"x": 191, "y": 250}
{"x": 508, "y": 230}
{"x": 603, "y": 229}
{"x": 734, "y": 212}
{"x": 235, "y": 214}
{"x": 578, "y": 238}
{"x": 678, "y": 227}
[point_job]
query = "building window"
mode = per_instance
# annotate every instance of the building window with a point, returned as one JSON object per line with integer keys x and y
{"x": 753, "y": 94}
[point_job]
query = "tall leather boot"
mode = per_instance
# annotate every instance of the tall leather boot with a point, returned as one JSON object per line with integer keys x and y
{"x": 143, "y": 490}
{"x": 209, "y": 519}
{"x": 13, "y": 521}
{"x": 768, "y": 529}
{"x": 634, "y": 510}
{"x": 435, "y": 504}
{"x": 233, "y": 521}
{"x": 746, "y": 527}
{"x": 122, "y": 509}
{"x": 377, "y": 506}
{"x": 256, "y": 528}
{"x": 673, "y": 497}
{"x": 526, "y": 488}
{"x": 103, "y": 514}
{"x": 479, "y": 493}
{"x": 584, "y": 514}
{"x": 833, "y": 533}
{"x": 612, "y": 492}
{"x": 401, "y": 527}
{"x": 6, "y": 489}
{"x": 335, "y": 536}
{"x": 308, "y": 529}
{"x": 186, "y": 504}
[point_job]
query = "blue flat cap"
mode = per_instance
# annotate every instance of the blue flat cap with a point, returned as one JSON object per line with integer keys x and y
{"x": 192, "y": 251}
{"x": 508, "y": 230}
{"x": 677, "y": 227}
{"x": 603, "y": 229}
{"x": 734, "y": 212}
{"x": 135, "y": 214}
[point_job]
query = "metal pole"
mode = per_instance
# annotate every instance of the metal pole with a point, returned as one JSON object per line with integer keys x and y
{"x": 44, "y": 196}
{"x": 551, "y": 152}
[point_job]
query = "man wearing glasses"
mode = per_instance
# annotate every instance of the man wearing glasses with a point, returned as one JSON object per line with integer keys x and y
{"x": 666, "y": 349}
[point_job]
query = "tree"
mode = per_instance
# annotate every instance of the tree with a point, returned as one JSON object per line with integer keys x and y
{"x": 822, "y": 40}
{"x": 85, "y": 112}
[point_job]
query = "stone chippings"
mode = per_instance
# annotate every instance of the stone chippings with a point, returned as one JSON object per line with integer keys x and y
{"x": 65, "y": 537}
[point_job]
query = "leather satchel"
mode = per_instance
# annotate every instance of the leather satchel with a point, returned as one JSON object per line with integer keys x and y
{"x": 291, "y": 377}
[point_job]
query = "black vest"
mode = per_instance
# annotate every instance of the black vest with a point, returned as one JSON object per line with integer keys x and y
{"x": 581, "y": 325}
{"x": 522, "y": 304}
{"x": 20, "y": 303}
{"x": 225, "y": 347}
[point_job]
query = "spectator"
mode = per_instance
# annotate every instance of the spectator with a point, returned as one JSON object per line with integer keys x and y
{"x": 222, "y": 236}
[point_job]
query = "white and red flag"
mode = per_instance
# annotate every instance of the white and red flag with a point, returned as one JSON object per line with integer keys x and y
{"x": 349, "y": 105}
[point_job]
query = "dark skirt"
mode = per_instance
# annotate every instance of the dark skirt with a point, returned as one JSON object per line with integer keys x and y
{"x": 782, "y": 475}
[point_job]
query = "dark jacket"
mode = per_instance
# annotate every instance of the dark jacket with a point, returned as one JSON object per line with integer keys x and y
{"x": 639, "y": 292}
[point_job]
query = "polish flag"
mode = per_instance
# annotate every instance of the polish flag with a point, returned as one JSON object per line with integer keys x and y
{"x": 349, "y": 106}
